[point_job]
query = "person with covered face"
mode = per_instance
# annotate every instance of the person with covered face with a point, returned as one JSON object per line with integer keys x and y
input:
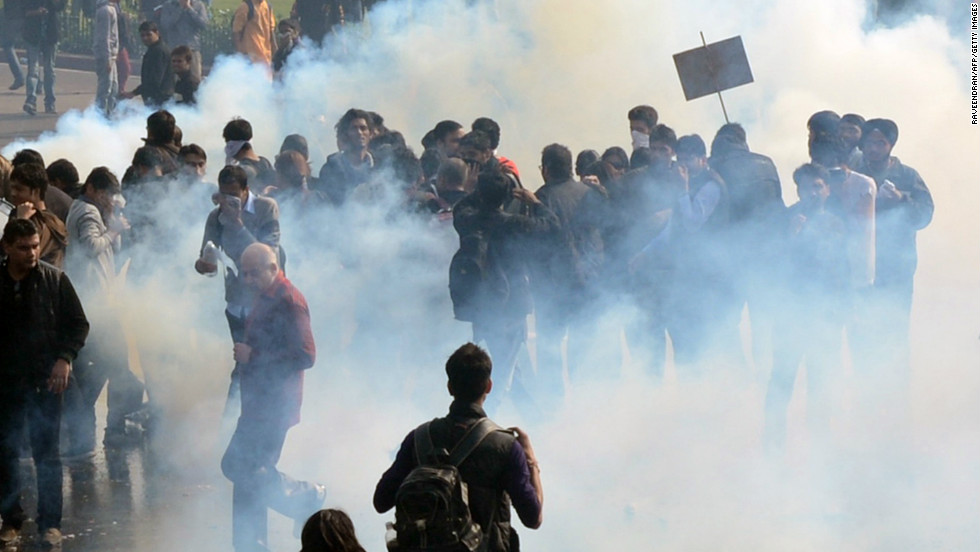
{"x": 273, "y": 352}
{"x": 814, "y": 277}
{"x": 41, "y": 331}
{"x": 903, "y": 207}
{"x": 351, "y": 166}
{"x": 643, "y": 119}
{"x": 239, "y": 219}
{"x": 28, "y": 187}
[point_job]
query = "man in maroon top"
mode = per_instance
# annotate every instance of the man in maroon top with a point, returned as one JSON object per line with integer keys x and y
{"x": 278, "y": 346}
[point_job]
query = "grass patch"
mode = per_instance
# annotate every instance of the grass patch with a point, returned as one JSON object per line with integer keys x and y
{"x": 279, "y": 7}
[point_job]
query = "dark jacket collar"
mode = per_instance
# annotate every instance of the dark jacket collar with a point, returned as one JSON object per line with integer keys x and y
{"x": 466, "y": 409}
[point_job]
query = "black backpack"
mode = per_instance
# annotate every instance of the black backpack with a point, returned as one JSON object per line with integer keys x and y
{"x": 432, "y": 512}
{"x": 474, "y": 278}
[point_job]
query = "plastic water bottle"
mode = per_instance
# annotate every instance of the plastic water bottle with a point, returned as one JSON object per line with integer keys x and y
{"x": 210, "y": 256}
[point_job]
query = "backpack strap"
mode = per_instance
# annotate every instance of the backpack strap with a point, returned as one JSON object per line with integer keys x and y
{"x": 471, "y": 439}
{"x": 423, "y": 444}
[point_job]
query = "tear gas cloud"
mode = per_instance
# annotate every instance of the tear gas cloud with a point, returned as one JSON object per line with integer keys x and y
{"x": 628, "y": 462}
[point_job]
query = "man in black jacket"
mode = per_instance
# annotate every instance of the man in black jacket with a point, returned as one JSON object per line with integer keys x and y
{"x": 156, "y": 75}
{"x": 502, "y": 469}
{"x": 41, "y": 35}
{"x": 41, "y": 331}
{"x": 500, "y": 305}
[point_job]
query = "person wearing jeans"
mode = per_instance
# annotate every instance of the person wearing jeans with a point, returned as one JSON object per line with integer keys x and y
{"x": 12, "y": 28}
{"x": 105, "y": 48}
{"x": 41, "y": 36}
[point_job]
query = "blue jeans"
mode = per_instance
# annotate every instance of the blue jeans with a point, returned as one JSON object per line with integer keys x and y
{"x": 108, "y": 85}
{"x": 11, "y": 30}
{"x": 43, "y": 54}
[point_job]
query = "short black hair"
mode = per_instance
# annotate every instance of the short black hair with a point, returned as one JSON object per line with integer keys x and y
{"x": 149, "y": 26}
{"x": 469, "y": 369}
{"x": 617, "y": 158}
{"x": 182, "y": 51}
{"x": 101, "y": 178}
{"x": 453, "y": 171}
{"x": 161, "y": 126}
{"x": 493, "y": 188}
{"x": 149, "y": 156}
{"x": 31, "y": 175}
{"x": 63, "y": 170}
{"x": 557, "y": 159}
{"x": 490, "y": 127}
{"x": 18, "y": 228}
{"x": 296, "y": 142}
{"x": 237, "y": 129}
{"x": 235, "y": 174}
{"x": 477, "y": 140}
{"x": 644, "y": 113}
{"x": 810, "y": 170}
{"x": 665, "y": 134}
{"x": 853, "y": 119}
{"x": 191, "y": 149}
{"x": 641, "y": 157}
{"x": 444, "y": 128}
{"x": 431, "y": 160}
{"x": 827, "y": 149}
{"x": 692, "y": 144}
{"x": 27, "y": 155}
{"x": 584, "y": 159}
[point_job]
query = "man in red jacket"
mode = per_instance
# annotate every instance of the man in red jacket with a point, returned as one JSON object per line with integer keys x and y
{"x": 275, "y": 350}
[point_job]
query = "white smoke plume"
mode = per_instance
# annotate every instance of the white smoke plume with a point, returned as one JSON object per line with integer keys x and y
{"x": 627, "y": 463}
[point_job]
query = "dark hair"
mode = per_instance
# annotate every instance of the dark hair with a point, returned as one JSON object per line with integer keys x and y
{"x": 641, "y": 157}
{"x": 823, "y": 121}
{"x": 329, "y": 531}
{"x": 810, "y": 170}
{"x": 296, "y": 142}
{"x": 729, "y": 137}
{"x": 477, "y": 140}
{"x": 31, "y": 175}
{"x": 431, "y": 160}
{"x": 376, "y": 122}
{"x": 584, "y": 159}
{"x": 161, "y": 126}
{"x": 392, "y": 138}
{"x": 291, "y": 23}
{"x": 237, "y": 129}
{"x": 18, "y": 228}
{"x": 886, "y": 127}
{"x": 827, "y": 149}
{"x": 233, "y": 174}
{"x": 617, "y": 158}
{"x": 469, "y": 369}
{"x": 853, "y": 119}
{"x": 151, "y": 157}
{"x": 348, "y": 118}
{"x": 598, "y": 169}
{"x": 291, "y": 167}
{"x": 27, "y": 156}
{"x": 644, "y": 113}
{"x": 149, "y": 26}
{"x": 557, "y": 159}
{"x": 665, "y": 134}
{"x": 453, "y": 171}
{"x": 444, "y": 128}
{"x": 64, "y": 171}
{"x": 182, "y": 51}
{"x": 692, "y": 144}
{"x": 405, "y": 167}
{"x": 191, "y": 149}
{"x": 490, "y": 127}
{"x": 493, "y": 188}
{"x": 101, "y": 178}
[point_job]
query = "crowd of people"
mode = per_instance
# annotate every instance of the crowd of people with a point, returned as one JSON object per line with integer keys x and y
{"x": 171, "y": 33}
{"x": 685, "y": 233}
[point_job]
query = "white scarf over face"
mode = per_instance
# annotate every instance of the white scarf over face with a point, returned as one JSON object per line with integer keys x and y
{"x": 232, "y": 147}
{"x": 640, "y": 140}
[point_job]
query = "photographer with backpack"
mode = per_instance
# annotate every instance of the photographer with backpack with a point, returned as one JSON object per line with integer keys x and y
{"x": 454, "y": 478}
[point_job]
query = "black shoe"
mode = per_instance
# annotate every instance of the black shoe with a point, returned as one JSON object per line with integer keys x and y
{"x": 30, "y": 109}
{"x": 51, "y": 110}
{"x": 19, "y": 83}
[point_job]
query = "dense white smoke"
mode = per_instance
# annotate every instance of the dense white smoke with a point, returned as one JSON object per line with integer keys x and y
{"x": 627, "y": 463}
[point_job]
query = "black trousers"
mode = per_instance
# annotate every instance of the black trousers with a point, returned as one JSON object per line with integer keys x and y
{"x": 40, "y": 410}
{"x": 250, "y": 464}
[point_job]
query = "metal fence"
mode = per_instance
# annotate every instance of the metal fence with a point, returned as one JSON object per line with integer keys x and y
{"x": 76, "y": 33}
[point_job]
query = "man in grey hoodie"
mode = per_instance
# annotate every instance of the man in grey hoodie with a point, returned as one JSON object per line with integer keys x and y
{"x": 105, "y": 47}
